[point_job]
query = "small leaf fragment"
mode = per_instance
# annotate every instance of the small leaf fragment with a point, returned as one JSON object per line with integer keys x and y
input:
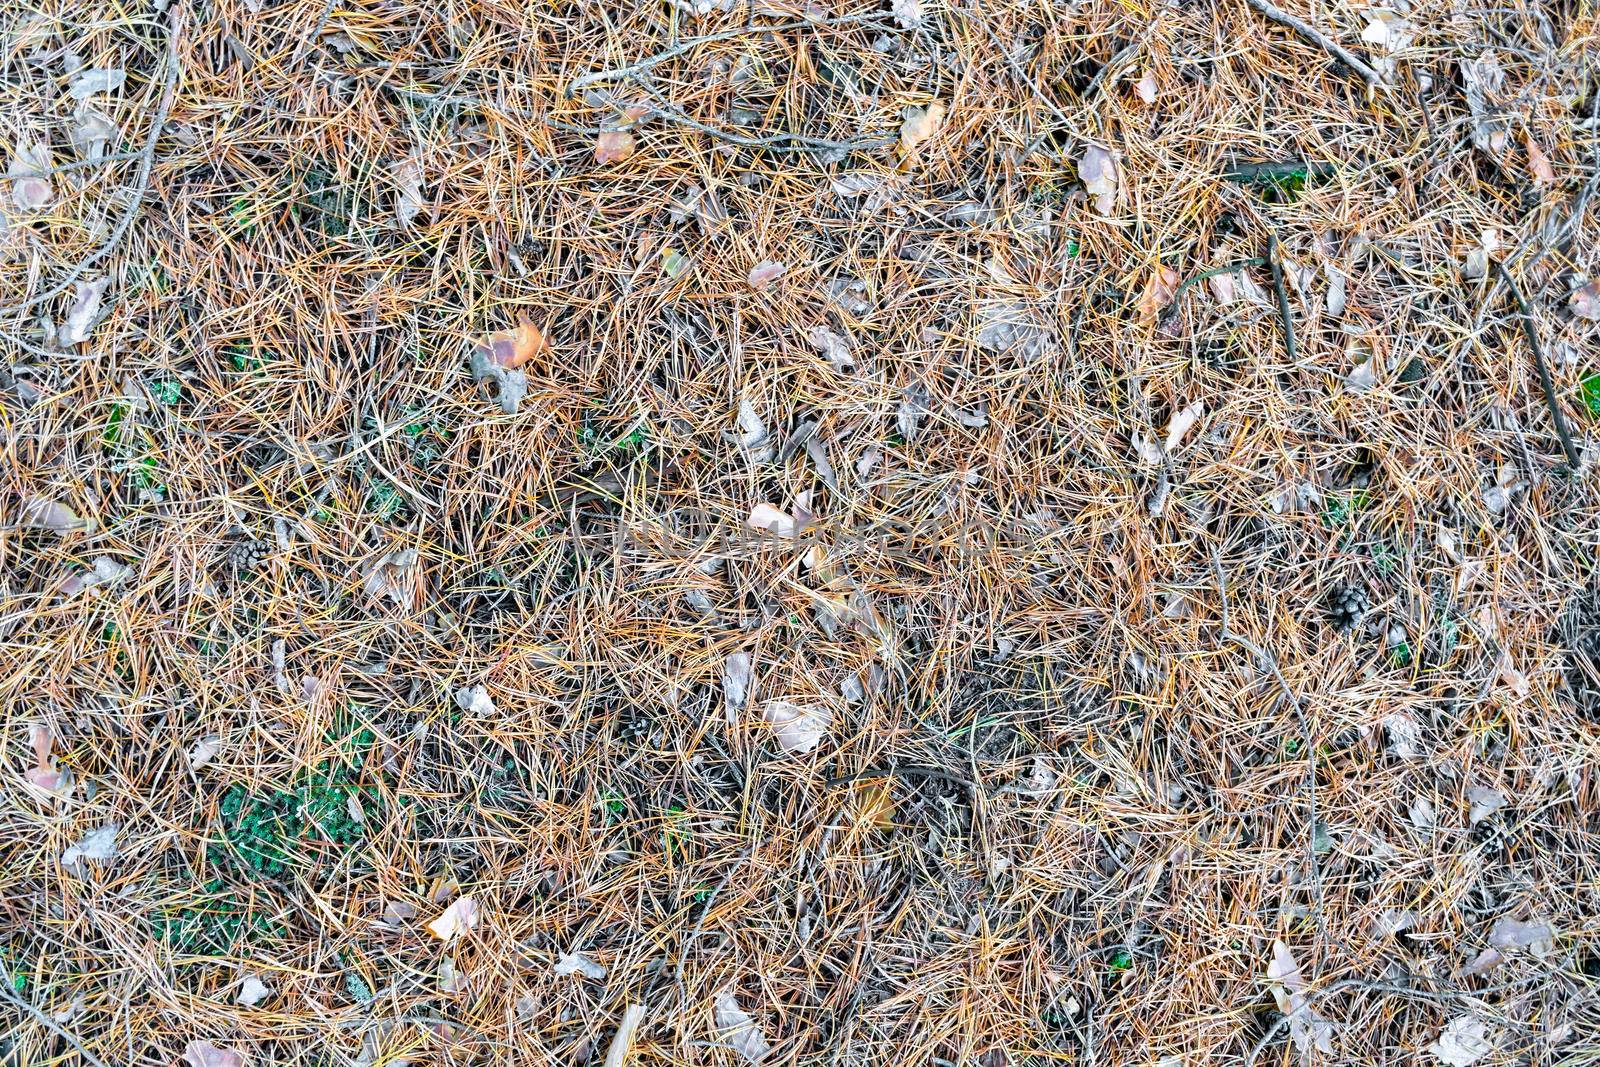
{"x": 613, "y": 146}
{"x": 797, "y": 729}
{"x": 1101, "y": 177}
{"x": 736, "y": 1030}
{"x": 921, "y": 123}
{"x": 89, "y": 82}
{"x": 459, "y": 918}
{"x": 765, "y": 273}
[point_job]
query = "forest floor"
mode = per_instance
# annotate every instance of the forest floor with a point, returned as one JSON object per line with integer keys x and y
{"x": 805, "y": 531}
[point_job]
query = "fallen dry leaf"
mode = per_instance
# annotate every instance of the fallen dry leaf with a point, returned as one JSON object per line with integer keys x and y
{"x": 1465, "y": 1040}
{"x": 1101, "y": 177}
{"x": 393, "y": 576}
{"x": 1159, "y": 290}
{"x": 1585, "y": 302}
{"x": 459, "y": 918}
{"x": 87, "y": 83}
{"x": 1485, "y": 802}
{"x": 798, "y": 729}
{"x": 1483, "y": 79}
{"x": 30, "y": 184}
{"x": 613, "y": 146}
{"x": 920, "y": 124}
{"x": 1182, "y": 422}
{"x": 1513, "y": 933}
{"x": 577, "y": 963}
{"x": 409, "y": 201}
{"x": 81, "y": 316}
{"x": 736, "y": 1030}
{"x": 1146, "y": 88}
{"x": 834, "y": 348}
{"x": 765, "y": 273}
{"x": 475, "y": 698}
{"x": 622, "y": 1043}
{"x": 205, "y": 1054}
{"x": 252, "y": 991}
{"x": 908, "y": 13}
{"x": 773, "y": 520}
{"x": 91, "y": 132}
{"x": 736, "y": 678}
{"x": 97, "y": 846}
{"x": 204, "y": 751}
{"x": 874, "y": 804}
{"x": 1538, "y": 163}
{"x": 511, "y": 350}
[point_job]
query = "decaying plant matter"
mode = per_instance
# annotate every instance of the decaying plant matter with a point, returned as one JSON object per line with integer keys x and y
{"x": 800, "y": 531}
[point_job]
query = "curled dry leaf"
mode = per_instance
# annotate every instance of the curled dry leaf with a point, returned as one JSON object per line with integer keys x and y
{"x": 622, "y": 1043}
{"x": 97, "y": 846}
{"x": 393, "y": 576}
{"x": 736, "y": 678}
{"x": 451, "y": 980}
{"x": 53, "y": 516}
{"x": 1485, "y": 802}
{"x": 1146, "y": 87}
{"x": 1101, "y": 177}
{"x": 459, "y": 918}
{"x": 765, "y": 273}
{"x": 834, "y": 348}
{"x": 1465, "y": 1040}
{"x": 921, "y": 123}
{"x": 1476, "y": 265}
{"x": 613, "y": 146}
{"x": 30, "y": 181}
{"x": 1538, "y": 163}
{"x": 89, "y": 82}
{"x": 476, "y": 699}
{"x": 736, "y": 1030}
{"x": 1483, "y": 79}
{"x": 1482, "y": 963}
{"x": 409, "y": 201}
{"x": 798, "y": 729}
{"x": 103, "y": 570}
{"x": 85, "y": 308}
{"x": 1159, "y": 290}
{"x": 1585, "y": 302}
{"x": 252, "y": 991}
{"x": 1513, "y": 933}
{"x": 204, "y": 751}
{"x": 908, "y": 13}
{"x": 205, "y": 1054}
{"x": 91, "y": 132}
{"x": 1182, "y": 422}
{"x": 773, "y": 520}
{"x": 577, "y": 963}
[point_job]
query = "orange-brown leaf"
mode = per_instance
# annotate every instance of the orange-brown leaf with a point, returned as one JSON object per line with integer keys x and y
{"x": 1158, "y": 292}
{"x": 1538, "y": 163}
{"x": 614, "y": 146}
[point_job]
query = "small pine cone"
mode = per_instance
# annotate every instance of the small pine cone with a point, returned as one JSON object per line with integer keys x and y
{"x": 1346, "y": 605}
{"x": 247, "y": 554}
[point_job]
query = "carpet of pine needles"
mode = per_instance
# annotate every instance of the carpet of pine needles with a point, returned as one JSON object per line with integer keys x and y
{"x": 1095, "y": 746}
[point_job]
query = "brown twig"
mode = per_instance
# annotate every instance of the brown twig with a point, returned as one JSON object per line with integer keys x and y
{"x": 1530, "y": 330}
{"x": 141, "y": 181}
{"x": 1318, "y": 38}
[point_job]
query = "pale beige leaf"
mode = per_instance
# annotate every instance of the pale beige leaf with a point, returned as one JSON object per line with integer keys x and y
{"x": 1101, "y": 177}
{"x": 1585, "y": 302}
{"x": 921, "y": 123}
{"x": 798, "y": 729}
{"x": 765, "y": 273}
{"x": 737, "y": 1030}
{"x": 459, "y": 918}
{"x": 773, "y": 520}
{"x": 205, "y": 1054}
